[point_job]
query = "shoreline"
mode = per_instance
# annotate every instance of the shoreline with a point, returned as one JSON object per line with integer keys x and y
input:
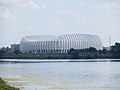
{"x": 5, "y": 86}
{"x": 56, "y": 60}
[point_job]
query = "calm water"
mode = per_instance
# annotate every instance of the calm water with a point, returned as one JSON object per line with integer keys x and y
{"x": 62, "y": 75}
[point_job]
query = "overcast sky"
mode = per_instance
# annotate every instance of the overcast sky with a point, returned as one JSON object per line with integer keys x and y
{"x": 19, "y": 18}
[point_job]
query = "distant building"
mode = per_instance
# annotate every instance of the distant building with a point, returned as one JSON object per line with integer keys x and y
{"x": 60, "y": 44}
{"x": 15, "y": 47}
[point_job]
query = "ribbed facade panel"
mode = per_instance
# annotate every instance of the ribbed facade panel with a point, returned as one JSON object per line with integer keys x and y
{"x": 61, "y": 43}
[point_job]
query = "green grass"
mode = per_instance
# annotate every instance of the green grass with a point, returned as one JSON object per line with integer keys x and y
{"x": 5, "y": 86}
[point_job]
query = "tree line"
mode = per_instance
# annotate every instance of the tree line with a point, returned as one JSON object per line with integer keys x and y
{"x": 91, "y": 52}
{"x": 88, "y": 53}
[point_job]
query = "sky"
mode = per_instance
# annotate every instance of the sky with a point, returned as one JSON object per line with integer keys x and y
{"x": 19, "y": 18}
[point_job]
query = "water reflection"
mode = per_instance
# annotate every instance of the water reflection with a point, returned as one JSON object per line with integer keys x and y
{"x": 63, "y": 75}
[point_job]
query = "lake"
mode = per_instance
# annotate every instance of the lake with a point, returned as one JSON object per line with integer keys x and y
{"x": 62, "y": 75}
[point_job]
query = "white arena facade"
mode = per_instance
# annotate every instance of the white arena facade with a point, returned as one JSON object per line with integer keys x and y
{"x": 60, "y": 44}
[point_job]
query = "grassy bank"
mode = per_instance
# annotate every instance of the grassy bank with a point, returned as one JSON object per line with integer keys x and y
{"x": 5, "y": 86}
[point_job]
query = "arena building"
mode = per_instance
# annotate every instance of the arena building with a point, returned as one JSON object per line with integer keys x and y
{"x": 61, "y": 43}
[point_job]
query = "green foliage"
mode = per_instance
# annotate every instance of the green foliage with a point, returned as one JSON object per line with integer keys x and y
{"x": 87, "y": 53}
{"x": 17, "y": 52}
{"x": 74, "y": 53}
{"x": 4, "y": 86}
{"x": 91, "y": 49}
{"x": 115, "y": 50}
{"x": 105, "y": 51}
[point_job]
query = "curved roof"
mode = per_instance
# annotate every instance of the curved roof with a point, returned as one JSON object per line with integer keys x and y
{"x": 78, "y": 37}
{"x": 39, "y": 38}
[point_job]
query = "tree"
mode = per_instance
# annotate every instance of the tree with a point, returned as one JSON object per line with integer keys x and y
{"x": 17, "y": 52}
{"x": 115, "y": 50}
{"x": 92, "y": 49}
{"x": 74, "y": 53}
{"x": 2, "y": 52}
{"x": 104, "y": 51}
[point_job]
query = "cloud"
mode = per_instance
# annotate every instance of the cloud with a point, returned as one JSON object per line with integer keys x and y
{"x": 32, "y": 5}
{"x": 5, "y": 9}
{"x": 9, "y": 2}
{"x": 111, "y": 6}
{"x": 28, "y": 4}
{"x": 54, "y": 25}
{"x": 7, "y": 5}
{"x": 103, "y": 5}
{"x": 67, "y": 12}
{"x": 6, "y": 14}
